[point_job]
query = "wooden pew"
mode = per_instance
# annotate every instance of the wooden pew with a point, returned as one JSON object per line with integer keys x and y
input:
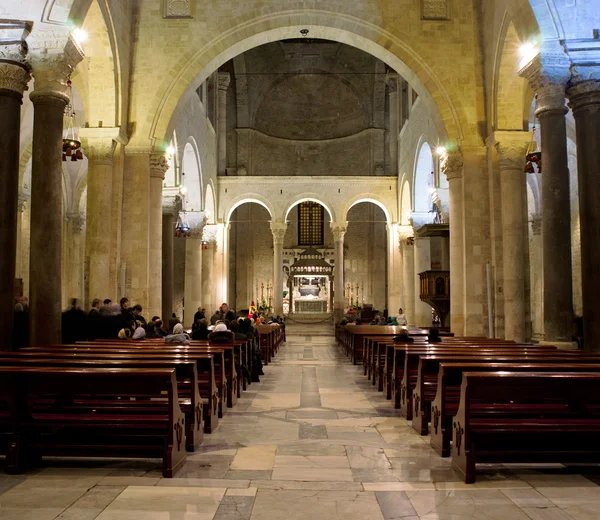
{"x": 190, "y": 401}
{"x": 62, "y": 428}
{"x": 506, "y": 417}
{"x": 409, "y": 355}
{"x": 212, "y": 381}
{"x": 445, "y": 404}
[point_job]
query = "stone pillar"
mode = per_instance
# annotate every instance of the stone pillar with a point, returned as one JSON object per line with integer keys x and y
{"x": 536, "y": 263}
{"x": 339, "y": 230}
{"x": 193, "y": 276}
{"x": 584, "y": 100}
{"x": 407, "y": 301}
{"x": 452, "y": 167}
{"x": 394, "y": 110}
{"x": 422, "y": 259}
{"x": 14, "y": 75}
{"x": 74, "y": 257}
{"x": 50, "y": 71}
{"x": 99, "y": 145}
{"x": 158, "y": 167}
{"x": 394, "y": 274}
{"x": 549, "y": 83}
{"x": 278, "y": 229}
{"x": 223, "y": 80}
{"x": 208, "y": 278}
{"x": 512, "y": 147}
{"x": 168, "y": 255}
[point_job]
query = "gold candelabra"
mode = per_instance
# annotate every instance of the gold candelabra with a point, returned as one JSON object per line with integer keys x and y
{"x": 357, "y": 286}
{"x": 270, "y": 292}
{"x": 262, "y": 291}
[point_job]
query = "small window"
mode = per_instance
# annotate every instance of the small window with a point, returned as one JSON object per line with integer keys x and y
{"x": 310, "y": 224}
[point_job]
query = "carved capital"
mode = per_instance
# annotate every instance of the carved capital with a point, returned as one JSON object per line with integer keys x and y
{"x": 584, "y": 96}
{"x": 392, "y": 82}
{"x": 278, "y": 229}
{"x": 99, "y": 151}
{"x": 512, "y": 147}
{"x": 452, "y": 165}
{"x": 77, "y": 222}
{"x": 223, "y": 80}
{"x": 584, "y": 57}
{"x": 14, "y": 69}
{"x": 339, "y": 230}
{"x": 14, "y": 76}
{"x": 53, "y": 60}
{"x": 158, "y": 165}
{"x": 210, "y": 233}
{"x": 171, "y": 201}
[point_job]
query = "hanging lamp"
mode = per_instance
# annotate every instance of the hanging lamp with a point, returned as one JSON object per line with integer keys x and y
{"x": 71, "y": 145}
{"x": 533, "y": 155}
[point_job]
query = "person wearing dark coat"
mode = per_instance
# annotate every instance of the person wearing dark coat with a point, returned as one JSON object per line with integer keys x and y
{"x": 201, "y": 331}
{"x": 220, "y": 334}
{"x": 74, "y": 324}
{"x": 403, "y": 337}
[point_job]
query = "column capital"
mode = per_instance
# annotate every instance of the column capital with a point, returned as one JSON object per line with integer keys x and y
{"x": 452, "y": 165}
{"x": 339, "y": 230}
{"x": 171, "y": 201}
{"x": 158, "y": 165}
{"x": 99, "y": 144}
{"x": 512, "y": 148}
{"x": 584, "y": 96}
{"x": 223, "y": 80}
{"x": 278, "y": 229}
{"x": 391, "y": 80}
{"x": 77, "y": 221}
{"x": 536, "y": 224}
{"x": 210, "y": 233}
{"x": 547, "y": 74}
{"x": 14, "y": 69}
{"x": 53, "y": 56}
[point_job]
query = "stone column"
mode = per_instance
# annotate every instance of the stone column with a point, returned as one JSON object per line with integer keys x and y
{"x": 99, "y": 145}
{"x": 549, "y": 83}
{"x": 14, "y": 75}
{"x": 74, "y": 257}
{"x": 407, "y": 302}
{"x": 584, "y": 100}
{"x": 208, "y": 261}
{"x": 50, "y": 71}
{"x": 536, "y": 263}
{"x": 394, "y": 274}
{"x": 422, "y": 259}
{"x": 158, "y": 167}
{"x": 339, "y": 230}
{"x": 452, "y": 167}
{"x": 170, "y": 205}
{"x": 278, "y": 229}
{"x": 392, "y": 82}
{"x": 223, "y": 80}
{"x": 512, "y": 147}
{"x": 193, "y": 276}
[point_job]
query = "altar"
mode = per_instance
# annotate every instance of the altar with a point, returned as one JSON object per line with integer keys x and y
{"x": 310, "y": 284}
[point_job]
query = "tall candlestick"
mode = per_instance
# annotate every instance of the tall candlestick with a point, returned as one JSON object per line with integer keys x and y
{"x": 262, "y": 291}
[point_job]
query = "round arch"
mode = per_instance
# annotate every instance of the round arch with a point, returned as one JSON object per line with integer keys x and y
{"x": 180, "y": 82}
{"x": 191, "y": 171}
{"x": 372, "y": 200}
{"x": 248, "y": 198}
{"x": 422, "y": 178}
{"x": 308, "y": 199}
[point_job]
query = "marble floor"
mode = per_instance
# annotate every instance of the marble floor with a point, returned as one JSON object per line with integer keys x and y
{"x": 313, "y": 440}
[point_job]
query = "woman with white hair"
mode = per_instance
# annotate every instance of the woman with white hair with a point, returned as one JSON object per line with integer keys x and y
{"x": 178, "y": 336}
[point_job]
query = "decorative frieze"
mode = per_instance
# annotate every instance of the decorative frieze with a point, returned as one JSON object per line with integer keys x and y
{"x": 435, "y": 9}
{"x": 178, "y": 8}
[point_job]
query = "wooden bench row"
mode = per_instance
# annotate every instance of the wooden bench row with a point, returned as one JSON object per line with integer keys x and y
{"x": 118, "y": 398}
{"x": 492, "y": 401}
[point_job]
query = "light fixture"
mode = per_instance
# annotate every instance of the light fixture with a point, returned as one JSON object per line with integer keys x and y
{"x": 528, "y": 51}
{"x": 80, "y": 35}
{"x": 71, "y": 145}
{"x": 441, "y": 150}
{"x": 182, "y": 228}
{"x": 304, "y": 32}
{"x": 170, "y": 151}
{"x": 183, "y": 190}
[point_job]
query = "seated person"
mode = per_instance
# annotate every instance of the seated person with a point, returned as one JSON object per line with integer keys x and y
{"x": 220, "y": 334}
{"x": 178, "y": 336}
{"x": 434, "y": 336}
{"x": 201, "y": 331}
{"x": 403, "y": 337}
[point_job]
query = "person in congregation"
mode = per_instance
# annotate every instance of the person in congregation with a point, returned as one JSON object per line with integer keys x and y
{"x": 139, "y": 332}
{"x": 74, "y": 323}
{"x": 178, "y": 336}
{"x": 94, "y": 320}
{"x": 174, "y": 320}
{"x": 403, "y": 337}
{"x": 136, "y": 312}
{"x": 124, "y": 305}
{"x": 221, "y": 334}
{"x": 200, "y": 314}
{"x": 401, "y": 318}
{"x": 220, "y": 314}
{"x": 234, "y": 327}
{"x": 200, "y": 332}
{"x": 434, "y": 336}
{"x": 105, "y": 309}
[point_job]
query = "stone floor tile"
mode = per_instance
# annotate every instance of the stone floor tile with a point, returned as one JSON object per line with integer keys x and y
{"x": 362, "y": 457}
{"x": 203, "y": 482}
{"x": 395, "y": 505}
{"x": 247, "y": 492}
{"x": 313, "y": 474}
{"x": 254, "y": 458}
{"x": 311, "y": 461}
{"x": 308, "y": 485}
{"x": 164, "y": 502}
{"x": 128, "y": 481}
{"x": 235, "y": 508}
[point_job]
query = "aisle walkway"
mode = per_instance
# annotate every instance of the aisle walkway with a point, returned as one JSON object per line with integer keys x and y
{"x": 312, "y": 441}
